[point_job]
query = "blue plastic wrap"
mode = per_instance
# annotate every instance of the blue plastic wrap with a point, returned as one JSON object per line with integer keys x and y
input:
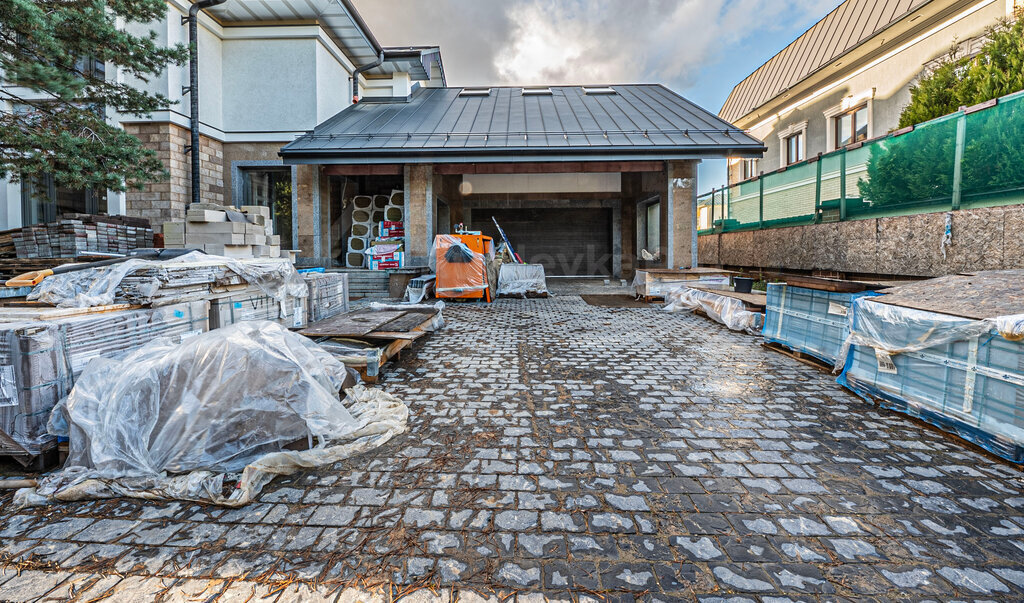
{"x": 965, "y": 376}
{"x": 808, "y": 320}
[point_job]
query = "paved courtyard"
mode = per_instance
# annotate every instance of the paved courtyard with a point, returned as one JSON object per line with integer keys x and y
{"x": 564, "y": 450}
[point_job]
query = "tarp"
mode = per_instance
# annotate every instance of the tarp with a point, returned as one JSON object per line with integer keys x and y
{"x": 98, "y": 286}
{"x": 522, "y": 280}
{"x": 168, "y": 421}
{"x": 727, "y": 310}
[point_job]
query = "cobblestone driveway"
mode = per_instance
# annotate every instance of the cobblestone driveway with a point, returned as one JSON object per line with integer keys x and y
{"x": 573, "y": 450}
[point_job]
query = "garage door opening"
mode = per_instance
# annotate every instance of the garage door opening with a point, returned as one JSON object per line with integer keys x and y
{"x": 566, "y": 241}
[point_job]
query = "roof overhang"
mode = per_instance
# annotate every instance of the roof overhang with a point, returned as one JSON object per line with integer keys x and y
{"x": 418, "y": 61}
{"x": 338, "y": 17}
{"x": 521, "y": 155}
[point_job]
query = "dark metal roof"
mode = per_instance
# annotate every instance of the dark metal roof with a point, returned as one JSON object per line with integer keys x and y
{"x": 851, "y": 24}
{"x": 645, "y": 121}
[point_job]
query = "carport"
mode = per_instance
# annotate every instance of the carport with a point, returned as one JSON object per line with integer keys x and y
{"x": 580, "y": 177}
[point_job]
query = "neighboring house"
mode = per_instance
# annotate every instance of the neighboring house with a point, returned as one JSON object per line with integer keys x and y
{"x": 268, "y": 72}
{"x": 848, "y": 77}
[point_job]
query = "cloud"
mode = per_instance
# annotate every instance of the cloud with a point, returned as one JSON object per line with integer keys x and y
{"x": 584, "y": 41}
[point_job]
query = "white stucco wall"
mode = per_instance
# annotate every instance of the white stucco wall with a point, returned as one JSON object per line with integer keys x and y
{"x": 270, "y": 84}
{"x": 332, "y": 85}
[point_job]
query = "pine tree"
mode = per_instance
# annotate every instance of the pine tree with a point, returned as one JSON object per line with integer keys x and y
{"x": 53, "y": 57}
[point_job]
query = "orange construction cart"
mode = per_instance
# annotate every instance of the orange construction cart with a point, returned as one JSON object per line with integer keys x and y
{"x": 461, "y": 266}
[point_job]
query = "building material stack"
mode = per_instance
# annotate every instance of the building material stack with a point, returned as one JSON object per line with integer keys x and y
{"x": 387, "y": 250}
{"x": 223, "y": 231}
{"x": 328, "y": 294}
{"x": 43, "y": 350}
{"x": 82, "y": 234}
{"x": 949, "y": 351}
{"x": 362, "y": 231}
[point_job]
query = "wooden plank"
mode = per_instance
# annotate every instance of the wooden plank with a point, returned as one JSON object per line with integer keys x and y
{"x": 976, "y": 296}
{"x": 33, "y": 311}
{"x": 410, "y": 335}
{"x": 352, "y": 324}
{"x": 758, "y": 300}
{"x": 403, "y": 324}
{"x": 838, "y": 285}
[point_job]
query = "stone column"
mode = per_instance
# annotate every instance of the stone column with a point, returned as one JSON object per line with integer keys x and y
{"x": 631, "y": 192}
{"x": 679, "y": 214}
{"x": 306, "y": 213}
{"x": 419, "y": 213}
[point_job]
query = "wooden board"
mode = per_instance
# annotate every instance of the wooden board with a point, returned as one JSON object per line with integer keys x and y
{"x": 977, "y": 296}
{"x": 757, "y": 300}
{"x": 352, "y": 324}
{"x": 36, "y": 311}
{"x": 838, "y": 285}
{"x": 403, "y": 324}
{"x": 698, "y": 271}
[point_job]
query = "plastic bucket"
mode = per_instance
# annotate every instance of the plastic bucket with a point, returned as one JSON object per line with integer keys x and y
{"x": 742, "y": 284}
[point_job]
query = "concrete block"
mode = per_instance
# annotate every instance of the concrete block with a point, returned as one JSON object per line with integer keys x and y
{"x": 257, "y": 210}
{"x": 195, "y": 238}
{"x": 255, "y": 239}
{"x": 174, "y": 228}
{"x": 205, "y": 215}
{"x": 274, "y": 240}
{"x": 217, "y": 228}
{"x": 230, "y": 251}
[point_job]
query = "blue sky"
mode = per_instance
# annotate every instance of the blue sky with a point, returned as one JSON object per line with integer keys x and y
{"x": 699, "y": 48}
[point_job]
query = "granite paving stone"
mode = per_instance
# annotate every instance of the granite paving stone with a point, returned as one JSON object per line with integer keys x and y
{"x": 575, "y": 452}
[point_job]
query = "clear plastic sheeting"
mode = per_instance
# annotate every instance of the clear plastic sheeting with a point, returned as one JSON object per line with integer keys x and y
{"x": 896, "y": 329}
{"x": 961, "y": 374}
{"x": 727, "y": 310}
{"x": 173, "y": 421}
{"x": 522, "y": 280}
{"x": 100, "y": 286}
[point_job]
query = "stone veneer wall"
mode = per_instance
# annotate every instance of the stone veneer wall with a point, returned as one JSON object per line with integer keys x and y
{"x": 166, "y": 201}
{"x": 983, "y": 239}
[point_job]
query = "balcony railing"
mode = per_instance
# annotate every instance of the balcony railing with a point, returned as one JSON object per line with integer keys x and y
{"x": 971, "y": 158}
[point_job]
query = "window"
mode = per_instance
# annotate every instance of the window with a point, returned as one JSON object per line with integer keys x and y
{"x": 43, "y": 200}
{"x": 653, "y": 227}
{"x": 590, "y": 91}
{"x": 851, "y": 127}
{"x": 748, "y": 169}
{"x": 271, "y": 188}
{"x": 795, "y": 148}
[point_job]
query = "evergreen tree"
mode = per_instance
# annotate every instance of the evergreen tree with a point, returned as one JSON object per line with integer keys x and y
{"x": 996, "y": 71}
{"x": 54, "y": 55}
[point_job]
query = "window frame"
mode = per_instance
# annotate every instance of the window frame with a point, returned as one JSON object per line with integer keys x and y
{"x": 801, "y": 147}
{"x": 837, "y": 120}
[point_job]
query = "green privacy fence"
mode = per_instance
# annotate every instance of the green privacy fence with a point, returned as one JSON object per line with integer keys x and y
{"x": 972, "y": 158}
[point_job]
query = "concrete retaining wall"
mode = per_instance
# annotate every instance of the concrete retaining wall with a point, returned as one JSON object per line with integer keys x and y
{"x": 989, "y": 238}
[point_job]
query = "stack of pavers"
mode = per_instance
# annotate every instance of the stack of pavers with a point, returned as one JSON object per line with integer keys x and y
{"x": 219, "y": 230}
{"x": 82, "y": 234}
{"x": 328, "y": 294}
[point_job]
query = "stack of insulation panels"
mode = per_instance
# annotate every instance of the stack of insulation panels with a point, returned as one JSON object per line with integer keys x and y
{"x": 806, "y": 320}
{"x": 328, "y": 294}
{"x": 43, "y": 350}
{"x": 948, "y": 351}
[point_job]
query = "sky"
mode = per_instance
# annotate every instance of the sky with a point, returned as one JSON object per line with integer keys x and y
{"x": 698, "y": 48}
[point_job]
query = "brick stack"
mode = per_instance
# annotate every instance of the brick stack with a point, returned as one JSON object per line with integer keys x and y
{"x": 209, "y": 227}
{"x": 82, "y": 234}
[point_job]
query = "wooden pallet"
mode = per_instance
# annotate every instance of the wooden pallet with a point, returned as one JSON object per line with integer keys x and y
{"x": 798, "y": 355}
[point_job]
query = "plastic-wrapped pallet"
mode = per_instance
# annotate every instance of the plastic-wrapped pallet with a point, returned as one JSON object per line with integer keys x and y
{"x": 963, "y": 375}
{"x": 808, "y": 320}
{"x": 35, "y": 373}
{"x": 328, "y": 294}
{"x": 39, "y": 360}
{"x": 522, "y": 280}
{"x": 729, "y": 311}
{"x": 254, "y": 304}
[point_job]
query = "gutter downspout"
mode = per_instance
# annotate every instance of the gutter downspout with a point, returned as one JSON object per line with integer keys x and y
{"x": 372, "y": 41}
{"x": 193, "y": 88}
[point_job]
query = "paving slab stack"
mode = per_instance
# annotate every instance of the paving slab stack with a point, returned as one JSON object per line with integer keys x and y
{"x": 82, "y": 234}
{"x": 211, "y": 228}
{"x": 328, "y": 294}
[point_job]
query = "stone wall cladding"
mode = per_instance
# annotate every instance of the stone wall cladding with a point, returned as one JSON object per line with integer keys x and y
{"x": 165, "y": 201}
{"x": 983, "y": 239}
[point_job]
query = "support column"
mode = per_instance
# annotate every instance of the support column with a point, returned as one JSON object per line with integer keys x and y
{"x": 306, "y": 214}
{"x": 631, "y": 192}
{"x": 679, "y": 214}
{"x": 419, "y": 212}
